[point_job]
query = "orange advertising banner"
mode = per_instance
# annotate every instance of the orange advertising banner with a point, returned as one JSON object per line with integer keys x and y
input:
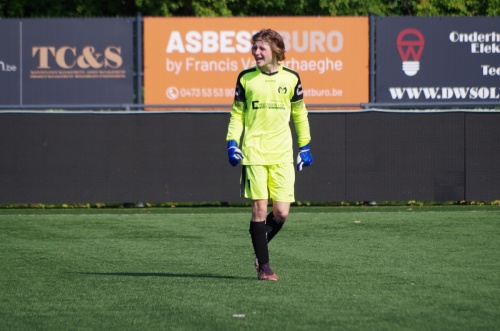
{"x": 196, "y": 61}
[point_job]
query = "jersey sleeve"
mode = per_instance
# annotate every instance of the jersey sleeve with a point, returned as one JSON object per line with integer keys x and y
{"x": 237, "y": 120}
{"x": 299, "y": 116}
{"x": 301, "y": 122}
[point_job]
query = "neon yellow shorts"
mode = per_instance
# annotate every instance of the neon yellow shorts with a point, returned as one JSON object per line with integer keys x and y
{"x": 277, "y": 181}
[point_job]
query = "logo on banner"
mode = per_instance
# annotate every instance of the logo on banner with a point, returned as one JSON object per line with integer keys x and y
{"x": 410, "y": 43}
{"x": 72, "y": 62}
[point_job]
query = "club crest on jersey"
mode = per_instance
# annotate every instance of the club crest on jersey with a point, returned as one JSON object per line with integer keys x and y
{"x": 282, "y": 89}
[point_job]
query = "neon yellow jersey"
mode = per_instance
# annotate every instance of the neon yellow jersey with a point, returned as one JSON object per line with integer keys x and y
{"x": 262, "y": 107}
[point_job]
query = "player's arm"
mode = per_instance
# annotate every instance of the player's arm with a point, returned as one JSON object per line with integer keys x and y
{"x": 301, "y": 123}
{"x": 236, "y": 125}
{"x": 236, "y": 122}
{"x": 234, "y": 132}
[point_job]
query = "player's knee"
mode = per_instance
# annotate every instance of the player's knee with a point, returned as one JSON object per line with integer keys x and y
{"x": 281, "y": 215}
{"x": 259, "y": 211}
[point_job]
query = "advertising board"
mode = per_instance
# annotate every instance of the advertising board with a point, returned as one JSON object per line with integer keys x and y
{"x": 10, "y": 62}
{"x": 66, "y": 61}
{"x": 195, "y": 61}
{"x": 431, "y": 60}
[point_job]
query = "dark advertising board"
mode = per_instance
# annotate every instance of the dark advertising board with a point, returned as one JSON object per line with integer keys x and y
{"x": 437, "y": 59}
{"x": 69, "y": 61}
{"x": 10, "y": 89}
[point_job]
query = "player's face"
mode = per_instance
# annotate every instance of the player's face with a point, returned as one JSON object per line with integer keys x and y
{"x": 263, "y": 54}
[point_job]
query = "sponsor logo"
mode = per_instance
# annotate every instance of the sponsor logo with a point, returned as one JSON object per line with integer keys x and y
{"x": 299, "y": 90}
{"x": 69, "y": 57}
{"x": 282, "y": 89}
{"x": 267, "y": 105}
{"x": 410, "y": 44}
{"x": 231, "y": 41}
{"x": 73, "y": 62}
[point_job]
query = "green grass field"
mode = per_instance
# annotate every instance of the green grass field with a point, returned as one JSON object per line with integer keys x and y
{"x": 340, "y": 268}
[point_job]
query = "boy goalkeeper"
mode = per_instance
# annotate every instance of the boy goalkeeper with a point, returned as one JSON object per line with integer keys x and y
{"x": 266, "y": 96}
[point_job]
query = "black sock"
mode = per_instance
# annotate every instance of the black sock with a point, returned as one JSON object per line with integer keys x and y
{"x": 273, "y": 226}
{"x": 259, "y": 241}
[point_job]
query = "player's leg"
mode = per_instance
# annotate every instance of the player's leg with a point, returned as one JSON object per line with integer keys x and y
{"x": 276, "y": 218}
{"x": 281, "y": 188}
{"x": 258, "y": 232}
{"x": 256, "y": 189}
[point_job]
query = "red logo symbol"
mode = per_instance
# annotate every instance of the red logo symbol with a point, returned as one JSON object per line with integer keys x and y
{"x": 410, "y": 44}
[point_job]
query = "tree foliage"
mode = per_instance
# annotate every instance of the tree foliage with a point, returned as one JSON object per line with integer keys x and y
{"x": 127, "y": 8}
